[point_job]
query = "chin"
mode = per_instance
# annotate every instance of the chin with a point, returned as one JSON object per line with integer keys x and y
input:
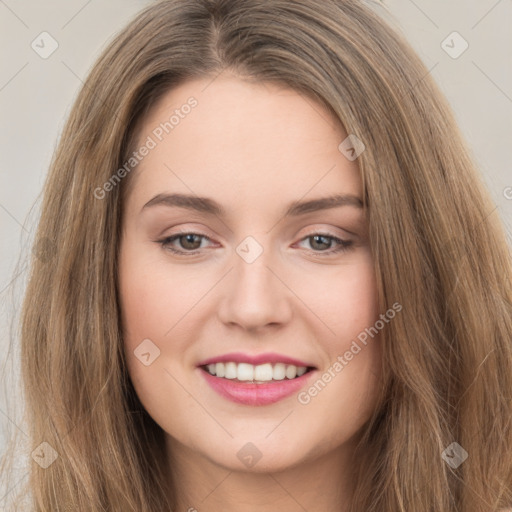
{"x": 255, "y": 454}
{"x": 271, "y": 461}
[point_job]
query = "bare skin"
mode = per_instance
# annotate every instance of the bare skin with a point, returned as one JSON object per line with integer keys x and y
{"x": 254, "y": 149}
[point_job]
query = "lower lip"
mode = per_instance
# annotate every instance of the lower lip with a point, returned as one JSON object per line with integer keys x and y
{"x": 248, "y": 393}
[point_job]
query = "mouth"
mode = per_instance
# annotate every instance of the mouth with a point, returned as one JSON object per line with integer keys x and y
{"x": 256, "y": 374}
{"x": 255, "y": 381}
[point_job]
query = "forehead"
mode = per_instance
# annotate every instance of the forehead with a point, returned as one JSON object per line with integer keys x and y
{"x": 242, "y": 140}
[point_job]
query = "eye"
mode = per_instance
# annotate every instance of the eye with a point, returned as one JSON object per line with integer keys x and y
{"x": 321, "y": 240}
{"x": 190, "y": 243}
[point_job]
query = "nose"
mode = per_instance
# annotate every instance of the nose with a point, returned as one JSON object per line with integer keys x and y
{"x": 255, "y": 295}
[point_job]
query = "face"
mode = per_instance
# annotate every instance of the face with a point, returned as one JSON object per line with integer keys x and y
{"x": 258, "y": 283}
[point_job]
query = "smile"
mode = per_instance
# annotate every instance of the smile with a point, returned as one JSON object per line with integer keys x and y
{"x": 255, "y": 384}
{"x": 245, "y": 372}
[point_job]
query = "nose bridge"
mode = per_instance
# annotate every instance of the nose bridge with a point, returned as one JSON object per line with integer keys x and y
{"x": 252, "y": 259}
{"x": 254, "y": 295}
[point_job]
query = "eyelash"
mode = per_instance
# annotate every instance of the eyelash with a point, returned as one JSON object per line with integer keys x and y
{"x": 343, "y": 245}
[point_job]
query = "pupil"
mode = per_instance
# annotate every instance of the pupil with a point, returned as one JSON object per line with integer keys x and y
{"x": 189, "y": 238}
{"x": 316, "y": 237}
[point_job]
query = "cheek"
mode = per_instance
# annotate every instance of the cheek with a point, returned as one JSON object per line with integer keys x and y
{"x": 348, "y": 309}
{"x": 147, "y": 304}
{"x": 344, "y": 301}
{"x": 153, "y": 299}
{"x": 142, "y": 305}
{"x": 355, "y": 317}
{"x": 153, "y": 296}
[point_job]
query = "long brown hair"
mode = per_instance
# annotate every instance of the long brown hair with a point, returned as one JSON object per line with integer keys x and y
{"x": 438, "y": 246}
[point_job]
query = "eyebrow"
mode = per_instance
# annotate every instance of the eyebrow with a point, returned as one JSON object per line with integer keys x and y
{"x": 211, "y": 207}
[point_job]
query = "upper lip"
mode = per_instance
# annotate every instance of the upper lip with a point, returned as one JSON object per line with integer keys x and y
{"x": 238, "y": 357}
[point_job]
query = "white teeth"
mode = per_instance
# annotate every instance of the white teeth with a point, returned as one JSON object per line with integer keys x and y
{"x": 220, "y": 370}
{"x": 263, "y": 372}
{"x": 279, "y": 372}
{"x": 301, "y": 370}
{"x": 291, "y": 371}
{"x": 245, "y": 371}
{"x": 230, "y": 371}
{"x": 260, "y": 373}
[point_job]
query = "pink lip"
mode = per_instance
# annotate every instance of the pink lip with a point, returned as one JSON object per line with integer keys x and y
{"x": 255, "y": 394}
{"x": 269, "y": 357}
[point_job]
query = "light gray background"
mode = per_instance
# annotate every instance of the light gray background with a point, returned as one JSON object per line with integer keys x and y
{"x": 36, "y": 95}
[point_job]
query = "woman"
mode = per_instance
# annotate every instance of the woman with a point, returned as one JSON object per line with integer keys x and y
{"x": 257, "y": 368}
